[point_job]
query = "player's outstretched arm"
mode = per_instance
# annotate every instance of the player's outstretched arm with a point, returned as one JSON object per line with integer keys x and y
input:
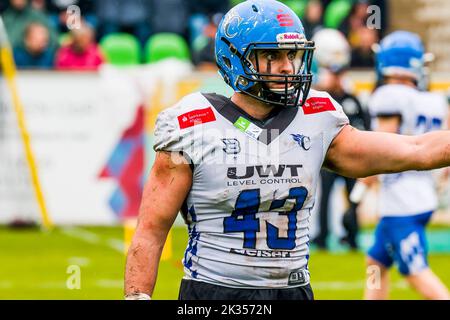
{"x": 168, "y": 184}
{"x": 355, "y": 153}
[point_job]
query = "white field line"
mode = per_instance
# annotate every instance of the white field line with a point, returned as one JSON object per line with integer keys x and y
{"x": 81, "y": 234}
{"x": 93, "y": 238}
{"x": 79, "y": 261}
{"x": 116, "y": 244}
{"x": 109, "y": 283}
{"x": 6, "y": 284}
{"x": 52, "y": 285}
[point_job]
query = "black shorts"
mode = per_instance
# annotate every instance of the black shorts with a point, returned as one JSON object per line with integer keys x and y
{"x": 197, "y": 290}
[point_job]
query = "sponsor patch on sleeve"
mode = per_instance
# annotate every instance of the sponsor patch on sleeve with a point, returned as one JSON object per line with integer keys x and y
{"x": 195, "y": 117}
{"x": 317, "y": 105}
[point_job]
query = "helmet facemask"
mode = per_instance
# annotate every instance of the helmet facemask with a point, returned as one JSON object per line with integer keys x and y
{"x": 287, "y": 90}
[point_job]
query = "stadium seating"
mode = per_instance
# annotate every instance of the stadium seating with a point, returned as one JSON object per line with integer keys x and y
{"x": 166, "y": 45}
{"x": 235, "y": 2}
{"x": 121, "y": 49}
{"x": 64, "y": 38}
{"x": 336, "y": 12}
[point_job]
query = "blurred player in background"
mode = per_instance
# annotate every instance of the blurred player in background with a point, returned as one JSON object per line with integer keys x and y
{"x": 244, "y": 170}
{"x": 408, "y": 199}
{"x": 333, "y": 57}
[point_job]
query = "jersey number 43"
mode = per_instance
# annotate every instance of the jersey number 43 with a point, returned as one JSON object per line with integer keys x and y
{"x": 243, "y": 218}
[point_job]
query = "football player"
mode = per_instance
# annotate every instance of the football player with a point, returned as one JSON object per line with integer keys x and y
{"x": 243, "y": 170}
{"x": 333, "y": 55}
{"x": 408, "y": 199}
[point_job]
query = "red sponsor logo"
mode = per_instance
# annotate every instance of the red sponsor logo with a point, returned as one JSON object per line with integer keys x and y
{"x": 285, "y": 20}
{"x": 317, "y": 105}
{"x": 195, "y": 117}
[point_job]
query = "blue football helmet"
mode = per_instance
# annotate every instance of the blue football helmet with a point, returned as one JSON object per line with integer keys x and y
{"x": 263, "y": 25}
{"x": 401, "y": 53}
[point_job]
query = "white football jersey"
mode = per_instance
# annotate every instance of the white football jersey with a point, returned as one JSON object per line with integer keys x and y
{"x": 254, "y": 186}
{"x": 411, "y": 192}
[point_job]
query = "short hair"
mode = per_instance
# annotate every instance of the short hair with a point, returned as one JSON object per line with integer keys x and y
{"x": 32, "y": 25}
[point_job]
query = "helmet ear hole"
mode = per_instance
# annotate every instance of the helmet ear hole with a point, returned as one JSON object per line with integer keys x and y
{"x": 226, "y": 79}
{"x": 255, "y": 8}
{"x": 227, "y": 62}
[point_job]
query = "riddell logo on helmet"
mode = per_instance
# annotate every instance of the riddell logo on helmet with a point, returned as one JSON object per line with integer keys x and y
{"x": 289, "y": 37}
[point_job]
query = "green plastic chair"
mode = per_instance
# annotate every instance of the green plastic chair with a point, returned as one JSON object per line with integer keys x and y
{"x": 121, "y": 49}
{"x": 64, "y": 38}
{"x": 336, "y": 12}
{"x": 166, "y": 45}
{"x": 235, "y": 2}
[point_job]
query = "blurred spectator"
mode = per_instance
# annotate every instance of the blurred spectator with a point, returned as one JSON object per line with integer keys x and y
{"x": 355, "y": 20}
{"x": 38, "y": 5}
{"x": 384, "y": 9}
{"x": 363, "y": 55}
{"x": 133, "y": 16}
{"x": 57, "y": 10}
{"x": 333, "y": 58}
{"x": 34, "y": 52}
{"x": 203, "y": 54}
{"x": 201, "y": 13}
{"x": 82, "y": 53}
{"x": 18, "y": 16}
{"x": 313, "y": 19}
{"x": 360, "y": 37}
{"x": 175, "y": 22}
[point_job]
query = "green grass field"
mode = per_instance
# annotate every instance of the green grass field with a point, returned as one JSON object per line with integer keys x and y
{"x": 35, "y": 265}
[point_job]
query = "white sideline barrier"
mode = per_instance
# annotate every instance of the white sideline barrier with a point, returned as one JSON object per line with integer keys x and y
{"x": 74, "y": 124}
{"x": 76, "y": 121}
